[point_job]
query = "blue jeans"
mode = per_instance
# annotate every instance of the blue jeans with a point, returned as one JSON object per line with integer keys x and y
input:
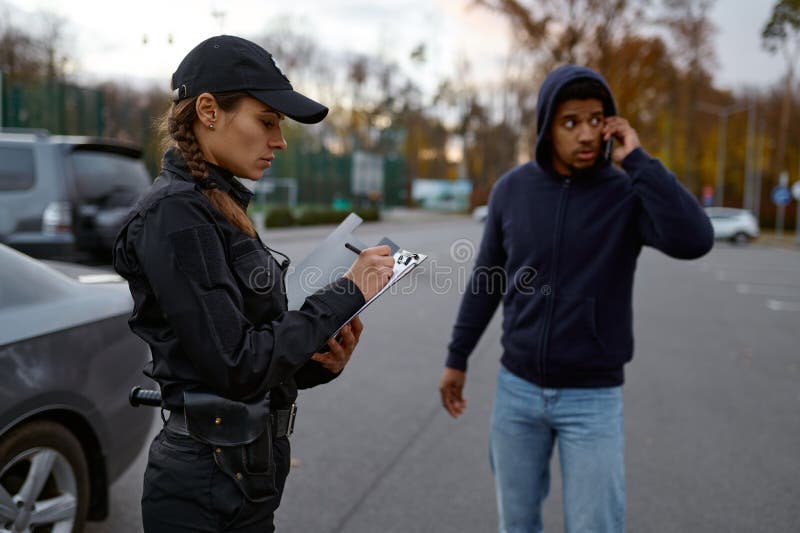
{"x": 587, "y": 423}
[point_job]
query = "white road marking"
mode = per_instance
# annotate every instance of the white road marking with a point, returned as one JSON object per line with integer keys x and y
{"x": 780, "y": 305}
{"x": 722, "y": 275}
{"x": 707, "y": 267}
{"x": 768, "y": 289}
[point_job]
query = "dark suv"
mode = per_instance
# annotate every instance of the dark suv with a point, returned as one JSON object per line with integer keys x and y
{"x": 66, "y": 197}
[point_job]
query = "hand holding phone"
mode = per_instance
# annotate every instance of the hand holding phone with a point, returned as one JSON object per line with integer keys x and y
{"x": 619, "y": 128}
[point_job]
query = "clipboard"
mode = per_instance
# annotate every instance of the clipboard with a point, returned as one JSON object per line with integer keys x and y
{"x": 404, "y": 263}
{"x": 330, "y": 260}
{"x": 327, "y": 262}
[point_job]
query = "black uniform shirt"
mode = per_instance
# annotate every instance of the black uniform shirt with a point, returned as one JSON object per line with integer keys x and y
{"x": 210, "y": 300}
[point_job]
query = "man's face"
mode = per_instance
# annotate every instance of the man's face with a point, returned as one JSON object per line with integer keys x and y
{"x": 576, "y": 135}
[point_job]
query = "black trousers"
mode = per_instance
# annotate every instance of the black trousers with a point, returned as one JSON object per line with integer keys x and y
{"x": 185, "y": 491}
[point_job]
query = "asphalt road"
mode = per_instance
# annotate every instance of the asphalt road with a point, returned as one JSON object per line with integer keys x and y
{"x": 712, "y": 402}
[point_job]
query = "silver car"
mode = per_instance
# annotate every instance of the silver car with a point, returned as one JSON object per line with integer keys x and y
{"x": 736, "y": 225}
{"x": 68, "y": 360}
{"x": 66, "y": 197}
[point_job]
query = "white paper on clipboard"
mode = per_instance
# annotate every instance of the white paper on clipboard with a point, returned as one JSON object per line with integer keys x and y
{"x": 330, "y": 260}
{"x": 404, "y": 262}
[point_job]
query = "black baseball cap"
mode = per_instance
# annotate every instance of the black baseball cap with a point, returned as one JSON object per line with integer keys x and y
{"x": 229, "y": 63}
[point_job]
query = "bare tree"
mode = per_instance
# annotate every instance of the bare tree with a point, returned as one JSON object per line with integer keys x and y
{"x": 299, "y": 54}
{"x": 33, "y": 54}
{"x": 569, "y": 31}
{"x": 19, "y": 57}
{"x": 53, "y": 44}
{"x": 782, "y": 33}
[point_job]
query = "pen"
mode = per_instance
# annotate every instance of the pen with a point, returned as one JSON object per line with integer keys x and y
{"x": 352, "y": 248}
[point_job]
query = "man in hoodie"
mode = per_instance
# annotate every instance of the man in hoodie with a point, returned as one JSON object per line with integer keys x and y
{"x": 559, "y": 249}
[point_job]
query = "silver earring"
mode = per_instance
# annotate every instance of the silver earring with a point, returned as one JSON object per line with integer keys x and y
{"x": 211, "y": 126}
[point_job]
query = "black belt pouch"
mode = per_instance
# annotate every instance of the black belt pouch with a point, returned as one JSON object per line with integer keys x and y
{"x": 241, "y": 437}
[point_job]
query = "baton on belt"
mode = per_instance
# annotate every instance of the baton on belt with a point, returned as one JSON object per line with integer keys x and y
{"x": 140, "y": 396}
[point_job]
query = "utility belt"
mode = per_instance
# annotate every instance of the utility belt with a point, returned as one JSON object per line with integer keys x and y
{"x": 240, "y": 435}
{"x": 281, "y": 422}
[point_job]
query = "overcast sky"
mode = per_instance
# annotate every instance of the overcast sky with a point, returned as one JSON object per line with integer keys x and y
{"x": 108, "y": 37}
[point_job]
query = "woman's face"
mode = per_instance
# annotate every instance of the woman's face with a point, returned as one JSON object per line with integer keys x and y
{"x": 243, "y": 139}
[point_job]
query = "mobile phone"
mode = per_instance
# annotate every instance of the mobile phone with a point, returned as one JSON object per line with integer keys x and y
{"x": 608, "y": 147}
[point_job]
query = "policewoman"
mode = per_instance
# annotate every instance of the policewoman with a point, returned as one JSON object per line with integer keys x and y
{"x": 209, "y": 298}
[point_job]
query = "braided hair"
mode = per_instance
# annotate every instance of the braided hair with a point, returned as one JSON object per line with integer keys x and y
{"x": 176, "y": 131}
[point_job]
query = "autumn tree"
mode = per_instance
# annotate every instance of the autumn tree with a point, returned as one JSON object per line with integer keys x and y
{"x": 19, "y": 57}
{"x": 569, "y": 31}
{"x": 692, "y": 33}
{"x": 28, "y": 55}
{"x": 782, "y": 33}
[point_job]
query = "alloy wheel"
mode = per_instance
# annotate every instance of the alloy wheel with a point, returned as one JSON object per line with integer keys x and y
{"x": 38, "y": 493}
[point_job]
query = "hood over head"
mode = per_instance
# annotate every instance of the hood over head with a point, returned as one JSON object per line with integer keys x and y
{"x": 548, "y": 94}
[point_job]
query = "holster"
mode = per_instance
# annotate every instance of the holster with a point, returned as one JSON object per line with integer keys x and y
{"x": 240, "y": 434}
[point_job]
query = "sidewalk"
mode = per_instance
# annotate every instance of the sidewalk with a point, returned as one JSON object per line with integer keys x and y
{"x": 395, "y": 215}
{"x": 787, "y": 240}
{"x": 408, "y": 215}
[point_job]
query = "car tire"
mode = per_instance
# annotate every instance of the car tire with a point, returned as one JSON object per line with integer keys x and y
{"x": 740, "y": 238}
{"x": 46, "y": 454}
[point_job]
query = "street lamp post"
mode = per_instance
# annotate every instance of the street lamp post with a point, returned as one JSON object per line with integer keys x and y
{"x": 749, "y": 194}
{"x": 759, "y": 169}
{"x": 723, "y": 113}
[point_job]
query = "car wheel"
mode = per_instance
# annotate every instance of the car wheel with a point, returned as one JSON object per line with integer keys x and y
{"x": 44, "y": 480}
{"x": 741, "y": 238}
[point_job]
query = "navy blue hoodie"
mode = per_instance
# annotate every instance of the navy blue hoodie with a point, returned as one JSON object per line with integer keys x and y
{"x": 560, "y": 252}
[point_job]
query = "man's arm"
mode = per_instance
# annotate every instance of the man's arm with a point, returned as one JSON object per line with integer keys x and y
{"x": 483, "y": 294}
{"x": 483, "y": 291}
{"x": 670, "y": 220}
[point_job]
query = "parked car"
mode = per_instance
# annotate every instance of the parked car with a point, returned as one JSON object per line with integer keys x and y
{"x": 68, "y": 361}
{"x": 736, "y": 225}
{"x": 66, "y": 196}
{"x": 480, "y": 213}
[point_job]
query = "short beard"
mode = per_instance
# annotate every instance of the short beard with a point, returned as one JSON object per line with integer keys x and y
{"x": 585, "y": 172}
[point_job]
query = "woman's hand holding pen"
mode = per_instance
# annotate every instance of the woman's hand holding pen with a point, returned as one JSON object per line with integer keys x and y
{"x": 341, "y": 347}
{"x": 372, "y": 270}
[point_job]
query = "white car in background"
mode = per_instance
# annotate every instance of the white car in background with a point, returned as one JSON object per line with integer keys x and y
{"x": 736, "y": 225}
{"x": 480, "y": 213}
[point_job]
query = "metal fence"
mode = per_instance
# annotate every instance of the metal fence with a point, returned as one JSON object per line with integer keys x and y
{"x": 323, "y": 177}
{"x": 65, "y": 109}
{"x": 53, "y": 105}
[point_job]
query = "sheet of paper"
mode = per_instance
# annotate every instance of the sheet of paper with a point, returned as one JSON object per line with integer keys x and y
{"x": 404, "y": 262}
{"x": 327, "y": 262}
{"x": 330, "y": 260}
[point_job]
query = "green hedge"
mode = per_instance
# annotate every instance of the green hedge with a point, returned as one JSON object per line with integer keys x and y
{"x": 281, "y": 216}
{"x": 278, "y": 217}
{"x": 369, "y": 214}
{"x": 310, "y": 216}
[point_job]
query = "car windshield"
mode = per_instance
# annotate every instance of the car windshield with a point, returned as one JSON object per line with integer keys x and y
{"x": 107, "y": 179}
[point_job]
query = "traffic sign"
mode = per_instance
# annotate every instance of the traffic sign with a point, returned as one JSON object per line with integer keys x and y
{"x": 781, "y": 195}
{"x": 708, "y": 195}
